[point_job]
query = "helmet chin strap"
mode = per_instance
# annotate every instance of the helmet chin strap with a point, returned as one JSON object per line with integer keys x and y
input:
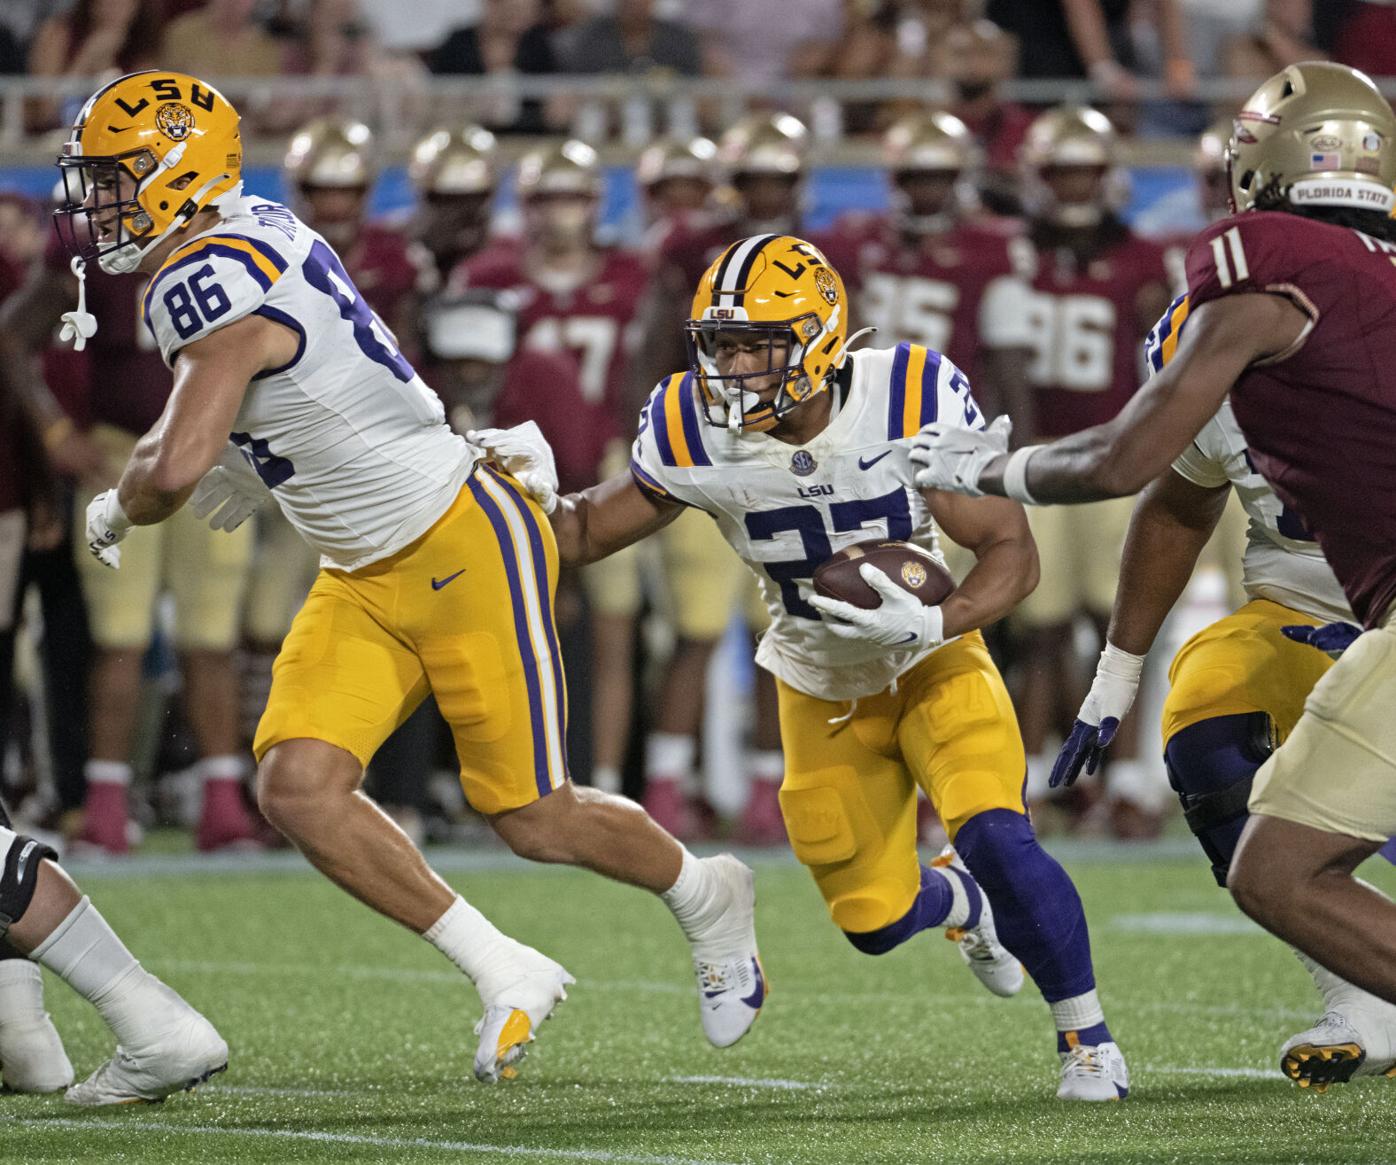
{"x": 842, "y": 353}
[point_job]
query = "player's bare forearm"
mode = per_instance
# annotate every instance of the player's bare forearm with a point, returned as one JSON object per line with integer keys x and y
{"x": 1224, "y": 337}
{"x": 1171, "y": 524}
{"x": 605, "y": 518}
{"x": 211, "y": 377}
{"x": 1006, "y": 567}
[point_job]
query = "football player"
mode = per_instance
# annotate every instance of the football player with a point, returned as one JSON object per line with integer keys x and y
{"x": 1236, "y": 687}
{"x": 1098, "y": 288}
{"x": 454, "y": 176}
{"x": 438, "y": 573}
{"x": 1292, "y": 305}
{"x": 797, "y": 448}
{"x": 676, "y": 176}
{"x": 579, "y": 296}
{"x": 165, "y": 1046}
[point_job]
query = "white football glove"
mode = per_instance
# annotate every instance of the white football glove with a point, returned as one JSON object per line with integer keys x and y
{"x": 229, "y": 493}
{"x": 902, "y": 620}
{"x": 523, "y": 453}
{"x": 1110, "y": 698}
{"x": 952, "y": 458}
{"x": 107, "y": 524}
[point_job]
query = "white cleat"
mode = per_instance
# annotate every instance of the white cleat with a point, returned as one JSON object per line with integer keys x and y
{"x": 731, "y": 980}
{"x": 1094, "y": 1073}
{"x": 1356, "y": 1036}
{"x": 992, "y": 962}
{"x": 32, "y": 1058}
{"x": 512, "y": 1018}
{"x": 183, "y": 1057}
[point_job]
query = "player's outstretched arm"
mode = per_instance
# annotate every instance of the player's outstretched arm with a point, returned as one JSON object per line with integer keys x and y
{"x": 1006, "y": 569}
{"x": 607, "y": 517}
{"x": 211, "y": 376}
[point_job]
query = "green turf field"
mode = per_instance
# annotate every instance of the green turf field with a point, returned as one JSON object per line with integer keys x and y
{"x": 351, "y": 1040}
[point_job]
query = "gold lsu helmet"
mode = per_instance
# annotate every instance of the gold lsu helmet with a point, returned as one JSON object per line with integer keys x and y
{"x": 459, "y": 162}
{"x": 331, "y": 154}
{"x": 780, "y": 290}
{"x": 1314, "y": 134}
{"x": 147, "y": 152}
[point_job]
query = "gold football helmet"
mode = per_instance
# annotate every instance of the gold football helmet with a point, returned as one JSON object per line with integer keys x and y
{"x": 1315, "y": 134}
{"x": 934, "y": 141}
{"x": 331, "y": 154}
{"x": 571, "y": 168}
{"x": 765, "y": 144}
{"x": 691, "y": 158}
{"x": 451, "y": 162}
{"x": 147, "y": 152}
{"x": 777, "y": 290}
{"x": 1070, "y": 137}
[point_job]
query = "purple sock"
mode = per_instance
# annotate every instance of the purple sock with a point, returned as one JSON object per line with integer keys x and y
{"x": 1097, "y": 1033}
{"x": 1037, "y": 911}
{"x": 930, "y": 907}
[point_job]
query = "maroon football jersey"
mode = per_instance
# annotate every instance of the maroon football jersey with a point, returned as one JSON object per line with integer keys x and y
{"x": 1086, "y": 327}
{"x": 592, "y": 319}
{"x": 1321, "y": 421}
{"x": 129, "y": 382}
{"x": 932, "y": 290}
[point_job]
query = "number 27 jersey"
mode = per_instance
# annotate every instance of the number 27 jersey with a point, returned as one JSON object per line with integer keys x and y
{"x": 786, "y": 508}
{"x": 351, "y": 442}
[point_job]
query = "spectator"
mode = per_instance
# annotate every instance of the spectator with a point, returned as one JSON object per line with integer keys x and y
{"x": 94, "y": 37}
{"x": 632, "y": 40}
{"x": 221, "y": 40}
{"x": 18, "y": 21}
{"x": 1283, "y": 35}
{"x": 509, "y": 39}
{"x": 744, "y": 42}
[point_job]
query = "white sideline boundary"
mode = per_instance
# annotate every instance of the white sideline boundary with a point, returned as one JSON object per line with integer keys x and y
{"x": 166, "y": 1128}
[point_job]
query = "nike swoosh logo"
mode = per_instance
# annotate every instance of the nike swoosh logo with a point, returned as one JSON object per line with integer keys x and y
{"x": 869, "y": 462}
{"x": 911, "y": 638}
{"x": 438, "y": 583}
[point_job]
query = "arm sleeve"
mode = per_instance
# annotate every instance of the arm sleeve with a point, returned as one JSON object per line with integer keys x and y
{"x": 216, "y": 282}
{"x": 1203, "y": 462}
{"x": 648, "y": 463}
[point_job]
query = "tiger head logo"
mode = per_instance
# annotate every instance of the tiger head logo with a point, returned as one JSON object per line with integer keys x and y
{"x": 914, "y": 575}
{"x": 174, "y": 120}
{"x": 827, "y": 285}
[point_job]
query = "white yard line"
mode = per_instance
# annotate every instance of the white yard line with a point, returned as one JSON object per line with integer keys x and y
{"x": 269, "y": 1090}
{"x": 524, "y": 1151}
{"x": 1218, "y": 1073}
{"x": 748, "y": 1082}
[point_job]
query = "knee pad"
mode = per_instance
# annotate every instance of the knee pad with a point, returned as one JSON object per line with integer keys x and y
{"x": 1211, "y": 765}
{"x": 20, "y": 875}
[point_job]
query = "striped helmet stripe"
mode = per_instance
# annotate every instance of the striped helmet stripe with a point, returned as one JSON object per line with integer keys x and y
{"x": 729, "y": 284}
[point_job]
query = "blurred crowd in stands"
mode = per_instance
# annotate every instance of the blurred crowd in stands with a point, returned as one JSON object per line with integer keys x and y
{"x": 1004, "y": 247}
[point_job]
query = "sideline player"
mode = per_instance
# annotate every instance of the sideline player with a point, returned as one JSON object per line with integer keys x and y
{"x": 165, "y": 1045}
{"x": 797, "y": 448}
{"x": 270, "y": 342}
{"x": 1238, "y": 686}
{"x": 1292, "y": 309}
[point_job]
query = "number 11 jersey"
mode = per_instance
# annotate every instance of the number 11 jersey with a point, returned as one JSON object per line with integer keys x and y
{"x": 786, "y": 508}
{"x": 352, "y": 443}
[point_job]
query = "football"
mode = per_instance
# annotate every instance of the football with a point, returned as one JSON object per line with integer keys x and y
{"x": 910, "y": 567}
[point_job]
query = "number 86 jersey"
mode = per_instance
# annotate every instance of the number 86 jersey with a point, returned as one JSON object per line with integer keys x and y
{"x": 351, "y": 442}
{"x": 786, "y": 508}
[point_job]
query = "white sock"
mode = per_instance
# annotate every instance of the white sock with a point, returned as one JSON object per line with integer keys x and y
{"x": 107, "y": 772}
{"x": 221, "y": 768}
{"x": 767, "y": 765}
{"x": 86, "y": 954}
{"x": 695, "y": 898}
{"x": 960, "y": 901}
{"x": 1078, "y": 1012}
{"x": 606, "y": 778}
{"x": 488, "y": 956}
{"x": 669, "y": 757}
{"x": 21, "y": 991}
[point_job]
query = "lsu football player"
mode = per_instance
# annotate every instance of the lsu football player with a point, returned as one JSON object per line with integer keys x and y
{"x": 1236, "y": 687}
{"x": 1291, "y": 318}
{"x": 797, "y": 447}
{"x": 437, "y": 573}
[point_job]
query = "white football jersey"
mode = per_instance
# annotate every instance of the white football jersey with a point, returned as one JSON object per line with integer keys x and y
{"x": 1282, "y": 562}
{"x": 786, "y": 508}
{"x": 352, "y": 444}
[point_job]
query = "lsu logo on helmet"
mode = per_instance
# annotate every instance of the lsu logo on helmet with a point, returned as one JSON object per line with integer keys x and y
{"x": 147, "y": 152}
{"x": 771, "y": 290}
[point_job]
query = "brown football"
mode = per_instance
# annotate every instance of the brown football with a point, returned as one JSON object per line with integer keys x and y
{"x": 910, "y": 567}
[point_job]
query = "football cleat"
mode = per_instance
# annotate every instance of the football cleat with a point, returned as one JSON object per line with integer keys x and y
{"x": 32, "y": 1058}
{"x": 1356, "y": 1035}
{"x": 992, "y": 962}
{"x": 1093, "y": 1072}
{"x": 187, "y": 1053}
{"x": 731, "y": 981}
{"x": 511, "y": 1020}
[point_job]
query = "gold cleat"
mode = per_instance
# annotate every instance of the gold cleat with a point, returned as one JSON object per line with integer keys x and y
{"x": 1316, "y": 1066}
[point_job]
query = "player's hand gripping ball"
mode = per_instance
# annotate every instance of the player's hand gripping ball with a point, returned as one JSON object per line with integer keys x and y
{"x": 884, "y": 591}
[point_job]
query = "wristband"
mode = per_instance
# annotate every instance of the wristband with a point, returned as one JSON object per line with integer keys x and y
{"x": 1015, "y": 475}
{"x": 114, "y": 516}
{"x": 1121, "y": 664}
